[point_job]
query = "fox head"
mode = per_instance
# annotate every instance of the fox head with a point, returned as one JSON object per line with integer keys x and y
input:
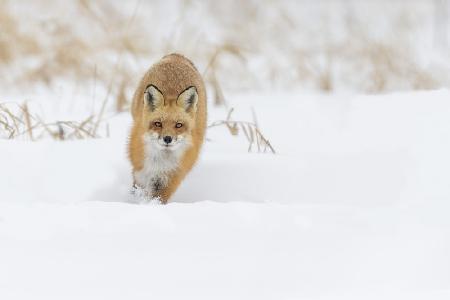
{"x": 169, "y": 120}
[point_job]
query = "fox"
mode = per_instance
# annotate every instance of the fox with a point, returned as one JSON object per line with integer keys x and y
{"x": 169, "y": 114}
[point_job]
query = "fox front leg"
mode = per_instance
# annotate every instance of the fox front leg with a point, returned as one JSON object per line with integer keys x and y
{"x": 165, "y": 191}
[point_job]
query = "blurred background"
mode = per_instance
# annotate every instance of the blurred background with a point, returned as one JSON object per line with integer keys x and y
{"x": 81, "y": 51}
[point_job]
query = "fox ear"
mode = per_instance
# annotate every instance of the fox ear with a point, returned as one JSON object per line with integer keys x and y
{"x": 188, "y": 99}
{"x": 153, "y": 98}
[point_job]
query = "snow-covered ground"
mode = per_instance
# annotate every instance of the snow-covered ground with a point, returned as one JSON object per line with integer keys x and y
{"x": 354, "y": 205}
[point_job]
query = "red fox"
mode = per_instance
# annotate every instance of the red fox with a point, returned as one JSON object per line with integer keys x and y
{"x": 169, "y": 122}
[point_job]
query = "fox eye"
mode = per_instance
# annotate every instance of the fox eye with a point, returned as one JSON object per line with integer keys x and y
{"x": 158, "y": 124}
{"x": 178, "y": 125}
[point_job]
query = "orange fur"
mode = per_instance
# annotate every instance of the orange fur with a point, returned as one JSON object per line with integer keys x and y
{"x": 172, "y": 75}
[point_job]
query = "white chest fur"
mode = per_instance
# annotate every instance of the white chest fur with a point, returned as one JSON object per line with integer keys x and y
{"x": 158, "y": 165}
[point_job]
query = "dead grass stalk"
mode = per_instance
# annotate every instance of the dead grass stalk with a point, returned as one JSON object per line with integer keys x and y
{"x": 251, "y": 130}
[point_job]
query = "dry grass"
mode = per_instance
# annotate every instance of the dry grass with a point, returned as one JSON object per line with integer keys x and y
{"x": 16, "y": 121}
{"x": 24, "y": 44}
{"x": 314, "y": 57}
{"x": 255, "y": 138}
{"x": 212, "y": 68}
{"x": 59, "y": 51}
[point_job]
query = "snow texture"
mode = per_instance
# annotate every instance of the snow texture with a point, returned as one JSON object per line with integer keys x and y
{"x": 354, "y": 205}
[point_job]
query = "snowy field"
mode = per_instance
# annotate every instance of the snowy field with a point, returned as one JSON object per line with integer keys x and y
{"x": 354, "y": 205}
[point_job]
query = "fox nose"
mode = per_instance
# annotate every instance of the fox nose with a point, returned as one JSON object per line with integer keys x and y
{"x": 167, "y": 139}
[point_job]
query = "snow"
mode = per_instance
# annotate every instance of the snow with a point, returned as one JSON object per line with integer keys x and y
{"x": 354, "y": 205}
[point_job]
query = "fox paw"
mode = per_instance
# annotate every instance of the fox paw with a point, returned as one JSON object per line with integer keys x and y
{"x": 142, "y": 196}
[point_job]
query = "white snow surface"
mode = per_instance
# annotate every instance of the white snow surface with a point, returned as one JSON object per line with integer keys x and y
{"x": 354, "y": 205}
